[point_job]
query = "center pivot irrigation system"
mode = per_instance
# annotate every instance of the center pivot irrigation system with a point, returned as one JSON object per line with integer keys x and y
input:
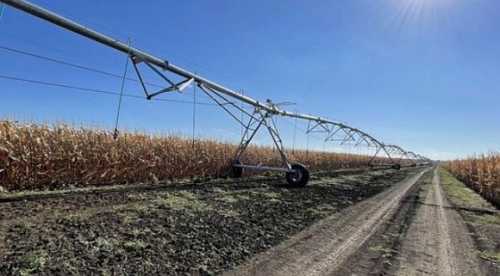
{"x": 260, "y": 115}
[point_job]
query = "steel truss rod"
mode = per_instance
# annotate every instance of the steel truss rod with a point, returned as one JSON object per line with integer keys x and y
{"x": 408, "y": 155}
{"x": 263, "y": 111}
{"x": 150, "y": 59}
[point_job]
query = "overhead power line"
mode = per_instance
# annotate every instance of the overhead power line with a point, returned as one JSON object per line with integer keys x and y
{"x": 96, "y": 91}
{"x": 74, "y": 65}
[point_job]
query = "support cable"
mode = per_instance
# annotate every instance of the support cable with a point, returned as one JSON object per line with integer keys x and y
{"x": 294, "y": 133}
{"x": 115, "y": 132}
{"x": 194, "y": 114}
{"x": 241, "y": 113}
{"x": 307, "y": 140}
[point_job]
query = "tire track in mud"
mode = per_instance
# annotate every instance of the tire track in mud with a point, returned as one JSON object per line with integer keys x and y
{"x": 321, "y": 249}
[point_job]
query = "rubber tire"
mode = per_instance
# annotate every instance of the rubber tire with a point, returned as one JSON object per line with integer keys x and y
{"x": 396, "y": 167}
{"x": 236, "y": 172}
{"x": 303, "y": 176}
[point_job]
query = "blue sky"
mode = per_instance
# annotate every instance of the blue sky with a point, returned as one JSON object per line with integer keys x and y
{"x": 423, "y": 74}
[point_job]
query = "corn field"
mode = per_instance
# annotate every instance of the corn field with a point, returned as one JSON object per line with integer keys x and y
{"x": 36, "y": 157}
{"x": 481, "y": 173}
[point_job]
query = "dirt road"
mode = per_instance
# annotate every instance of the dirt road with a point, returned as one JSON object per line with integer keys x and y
{"x": 434, "y": 241}
{"x": 438, "y": 242}
{"x": 325, "y": 246}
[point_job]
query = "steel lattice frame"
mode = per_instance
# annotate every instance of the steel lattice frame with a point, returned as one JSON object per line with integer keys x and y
{"x": 262, "y": 114}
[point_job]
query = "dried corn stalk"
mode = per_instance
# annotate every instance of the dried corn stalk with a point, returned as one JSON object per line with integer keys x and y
{"x": 36, "y": 157}
{"x": 481, "y": 173}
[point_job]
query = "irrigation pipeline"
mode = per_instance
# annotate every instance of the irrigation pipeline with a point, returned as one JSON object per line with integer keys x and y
{"x": 263, "y": 113}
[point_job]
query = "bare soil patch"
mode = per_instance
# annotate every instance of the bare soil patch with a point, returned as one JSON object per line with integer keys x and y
{"x": 198, "y": 229}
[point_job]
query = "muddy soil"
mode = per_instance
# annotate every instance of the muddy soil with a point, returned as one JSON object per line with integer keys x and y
{"x": 197, "y": 230}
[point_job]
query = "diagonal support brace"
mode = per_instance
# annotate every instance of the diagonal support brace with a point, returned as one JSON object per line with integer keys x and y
{"x": 179, "y": 87}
